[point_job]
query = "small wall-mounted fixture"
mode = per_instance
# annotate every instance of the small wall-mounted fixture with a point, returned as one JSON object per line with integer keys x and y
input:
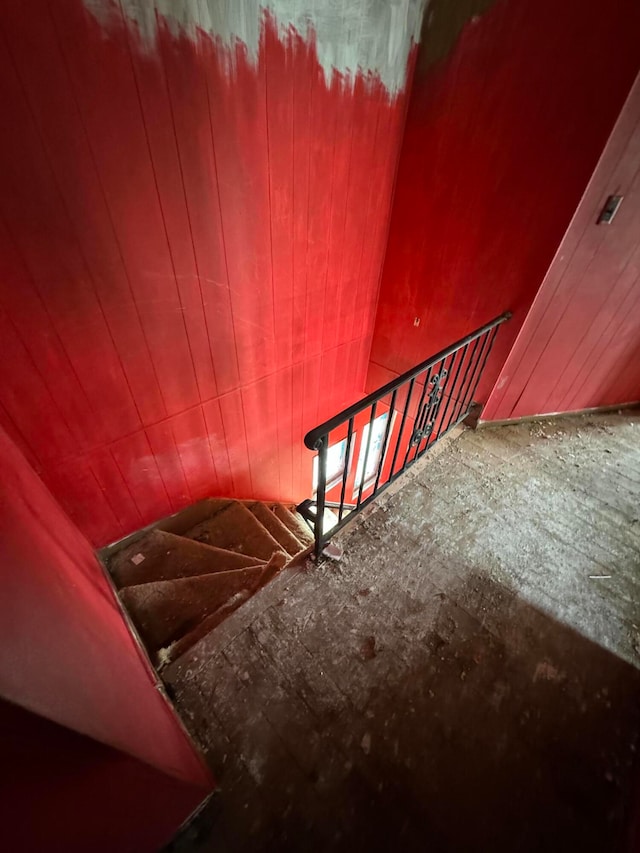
{"x": 416, "y": 321}
{"x": 610, "y": 209}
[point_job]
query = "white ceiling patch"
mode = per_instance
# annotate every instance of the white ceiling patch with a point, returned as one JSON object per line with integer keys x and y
{"x": 373, "y": 37}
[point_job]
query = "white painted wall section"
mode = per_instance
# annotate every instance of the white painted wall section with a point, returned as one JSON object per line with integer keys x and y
{"x": 371, "y": 37}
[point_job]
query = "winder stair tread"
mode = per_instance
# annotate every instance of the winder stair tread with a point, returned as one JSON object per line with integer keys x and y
{"x": 184, "y": 576}
{"x": 294, "y": 522}
{"x": 235, "y": 528}
{"x": 276, "y": 528}
{"x": 160, "y": 556}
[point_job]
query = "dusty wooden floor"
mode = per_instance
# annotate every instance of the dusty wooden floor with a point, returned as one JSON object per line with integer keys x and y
{"x": 464, "y": 680}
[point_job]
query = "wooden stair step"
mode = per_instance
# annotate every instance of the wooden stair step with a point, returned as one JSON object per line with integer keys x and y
{"x": 159, "y": 556}
{"x": 188, "y": 517}
{"x": 164, "y": 611}
{"x": 176, "y": 524}
{"x": 180, "y": 646}
{"x": 296, "y": 524}
{"x": 276, "y": 528}
{"x": 235, "y": 528}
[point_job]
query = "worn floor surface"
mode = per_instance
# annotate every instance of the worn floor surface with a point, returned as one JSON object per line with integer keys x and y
{"x": 466, "y": 679}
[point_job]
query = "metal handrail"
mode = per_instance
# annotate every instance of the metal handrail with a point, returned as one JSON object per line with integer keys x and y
{"x": 316, "y": 433}
{"x": 459, "y": 368}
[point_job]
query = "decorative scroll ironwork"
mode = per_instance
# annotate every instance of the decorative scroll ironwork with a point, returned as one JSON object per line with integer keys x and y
{"x": 426, "y": 419}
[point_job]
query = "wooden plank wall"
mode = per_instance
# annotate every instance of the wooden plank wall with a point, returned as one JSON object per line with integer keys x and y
{"x": 190, "y": 249}
{"x": 579, "y": 347}
{"x": 509, "y": 112}
{"x": 66, "y": 653}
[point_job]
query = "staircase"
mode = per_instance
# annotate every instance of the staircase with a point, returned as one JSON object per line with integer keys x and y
{"x": 181, "y": 578}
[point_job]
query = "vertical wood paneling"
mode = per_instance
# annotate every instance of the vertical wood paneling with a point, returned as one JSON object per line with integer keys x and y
{"x": 300, "y": 454}
{"x": 189, "y": 86}
{"x": 166, "y": 456}
{"x": 364, "y": 153}
{"x": 321, "y": 161}
{"x": 119, "y": 140}
{"x": 286, "y": 403}
{"x": 22, "y": 390}
{"x": 88, "y": 506}
{"x": 29, "y": 321}
{"x": 196, "y": 455}
{"x": 302, "y": 119}
{"x": 580, "y": 345}
{"x": 332, "y": 317}
{"x": 167, "y": 90}
{"x": 259, "y": 401}
{"x": 235, "y": 432}
{"x": 239, "y": 122}
{"x": 280, "y": 85}
{"x": 48, "y": 90}
{"x": 115, "y": 489}
{"x": 44, "y": 238}
{"x": 135, "y": 460}
{"x": 190, "y": 248}
{"x": 218, "y": 446}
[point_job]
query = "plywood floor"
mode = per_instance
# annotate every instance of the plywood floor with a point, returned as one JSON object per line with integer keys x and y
{"x": 465, "y": 679}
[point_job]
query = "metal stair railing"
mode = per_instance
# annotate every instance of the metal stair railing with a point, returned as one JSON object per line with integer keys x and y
{"x": 421, "y": 406}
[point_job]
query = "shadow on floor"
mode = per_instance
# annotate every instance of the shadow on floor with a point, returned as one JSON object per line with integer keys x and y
{"x": 492, "y": 728}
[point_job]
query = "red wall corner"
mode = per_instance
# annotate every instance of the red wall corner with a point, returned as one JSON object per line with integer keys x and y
{"x": 579, "y": 347}
{"x": 502, "y": 135}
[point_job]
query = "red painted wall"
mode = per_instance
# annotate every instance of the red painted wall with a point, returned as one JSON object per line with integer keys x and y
{"x": 61, "y": 792}
{"x": 65, "y": 650}
{"x": 580, "y": 344}
{"x": 502, "y": 135}
{"x": 189, "y": 258}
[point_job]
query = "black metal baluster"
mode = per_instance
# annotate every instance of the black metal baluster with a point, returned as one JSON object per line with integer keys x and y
{"x": 321, "y": 447}
{"x": 462, "y": 410}
{"x": 491, "y": 336}
{"x": 386, "y": 439}
{"x": 345, "y": 475}
{"x": 402, "y": 423}
{"x": 453, "y": 417}
{"x": 366, "y": 453}
{"x": 464, "y": 387}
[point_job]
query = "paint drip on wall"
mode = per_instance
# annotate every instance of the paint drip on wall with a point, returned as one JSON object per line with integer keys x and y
{"x": 368, "y": 37}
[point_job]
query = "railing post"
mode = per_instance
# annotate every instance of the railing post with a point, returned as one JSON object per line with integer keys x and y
{"x": 321, "y": 447}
